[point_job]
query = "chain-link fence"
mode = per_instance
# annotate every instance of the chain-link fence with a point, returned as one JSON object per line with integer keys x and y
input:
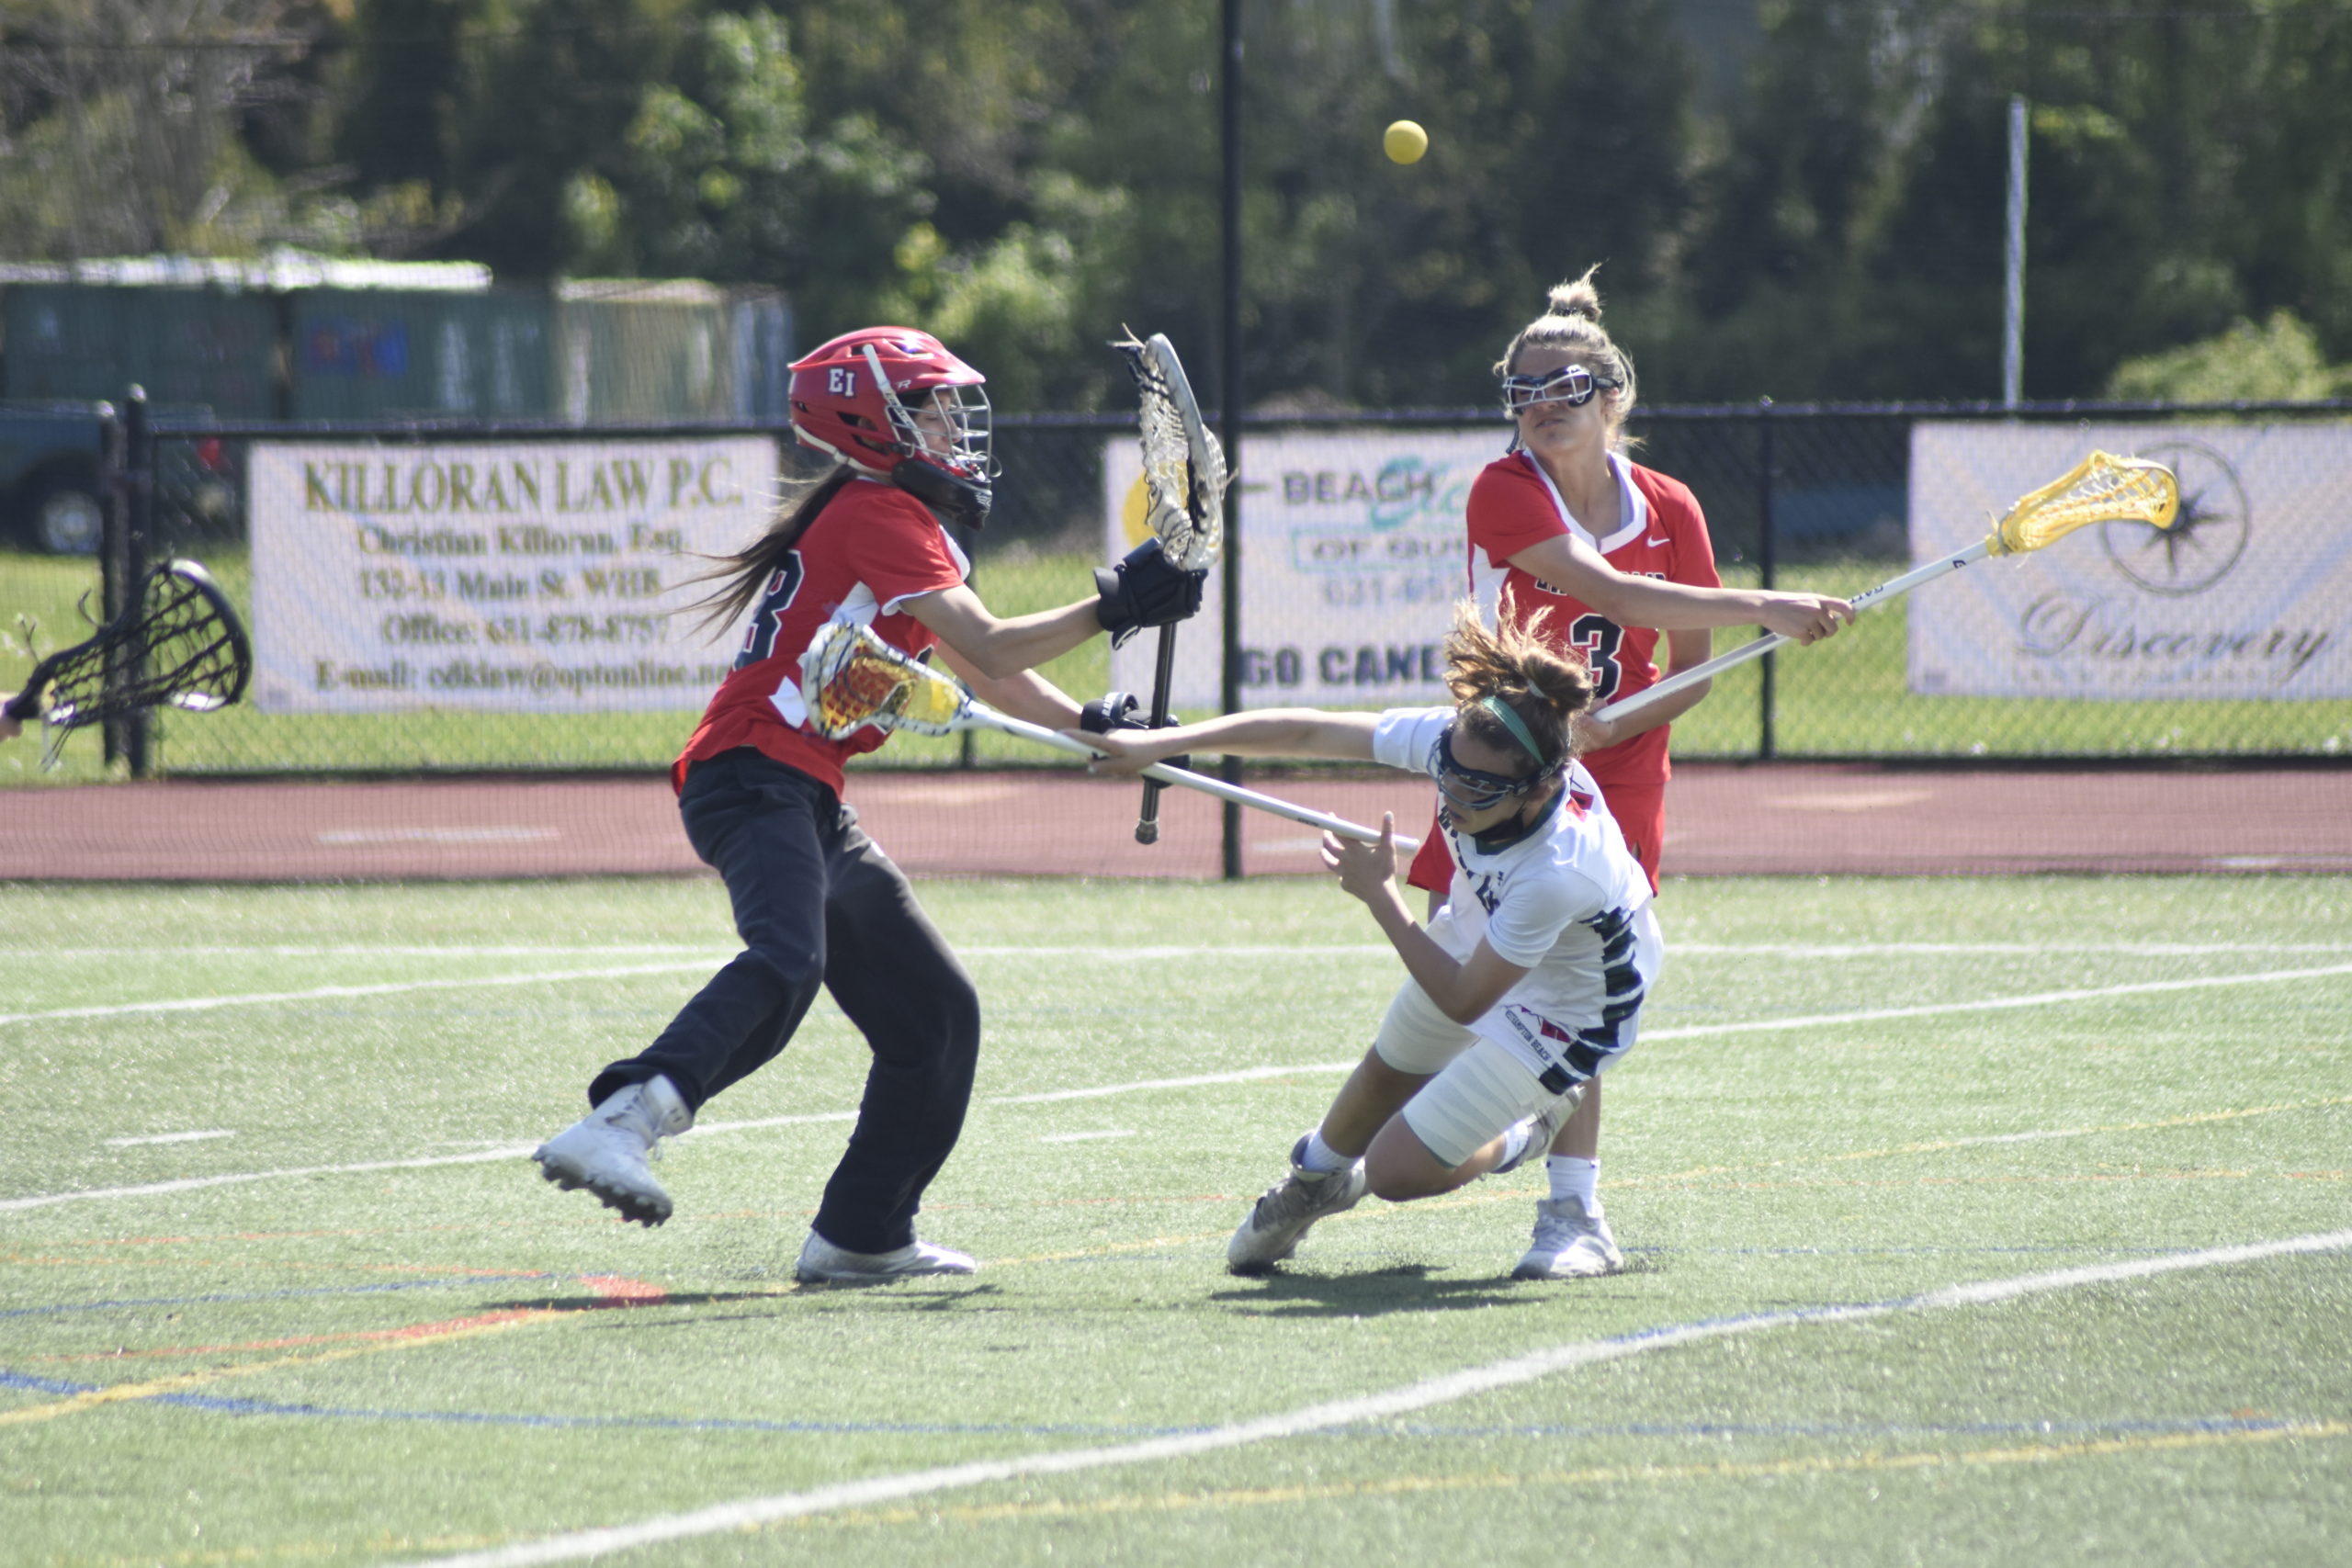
{"x": 1829, "y": 498}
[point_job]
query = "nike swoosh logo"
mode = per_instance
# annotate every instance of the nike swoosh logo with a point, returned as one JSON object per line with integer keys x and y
{"x": 1658, "y": 541}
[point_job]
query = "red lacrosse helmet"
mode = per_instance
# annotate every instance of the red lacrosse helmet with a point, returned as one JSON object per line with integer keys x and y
{"x": 860, "y": 396}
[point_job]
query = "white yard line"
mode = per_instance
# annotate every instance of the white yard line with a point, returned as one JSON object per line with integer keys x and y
{"x": 134, "y": 1140}
{"x": 1240, "y": 1075}
{"x": 716, "y": 955}
{"x": 1995, "y": 1004}
{"x": 338, "y": 993}
{"x": 400, "y": 988}
{"x": 701, "y": 1129}
{"x": 752, "y": 1512}
{"x": 1245, "y": 1074}
{"x": 194, "y": 1184}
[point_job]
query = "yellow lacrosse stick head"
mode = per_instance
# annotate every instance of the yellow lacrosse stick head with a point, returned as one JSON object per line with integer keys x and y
{"x": 851, "y": 678}
{"x": 2103, "y": 488}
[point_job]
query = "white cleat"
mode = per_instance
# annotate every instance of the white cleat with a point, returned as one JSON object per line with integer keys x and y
{"x": 606, "y": 1151}
{"x": 1288, "y": 1211}
{"x": 1570, "y": 1244}
{"x": 822, "y": 1263}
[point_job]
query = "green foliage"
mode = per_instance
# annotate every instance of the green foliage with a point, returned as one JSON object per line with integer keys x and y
{"x": 1025, "y": 175}
{"x": 2187, "y": 169}
{"x": 2279, "y": 361}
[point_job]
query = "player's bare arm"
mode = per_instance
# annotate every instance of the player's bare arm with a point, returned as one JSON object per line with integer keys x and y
{"x": 1025, "y": 695}
{"x": 1577, "y": 569}
{"x": 1269, "y": 732}
{"x": 1464, "y": 989}
{"x": 1685, "y": 650}
{"x": 989, "y": 645}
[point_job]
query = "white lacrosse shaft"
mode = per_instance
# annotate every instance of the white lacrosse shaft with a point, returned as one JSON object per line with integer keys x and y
{"x": 1682, "y": 680}
{"x": 1184, "y": 779}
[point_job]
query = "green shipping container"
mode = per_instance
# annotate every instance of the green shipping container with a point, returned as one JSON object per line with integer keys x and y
{"x": 634, "y": 351}
{"x": 190, "y": 347}
{"x": 367, "y": 353}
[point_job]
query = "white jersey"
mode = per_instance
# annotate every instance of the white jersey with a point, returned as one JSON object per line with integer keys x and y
{"x": 1568, "y": 902}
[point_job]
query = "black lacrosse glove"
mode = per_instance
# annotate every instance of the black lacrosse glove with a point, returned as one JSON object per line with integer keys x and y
{"x": 1112, "y": 710}
{"x": 1119, "y": 710}
{"x": 1145, "y": 590}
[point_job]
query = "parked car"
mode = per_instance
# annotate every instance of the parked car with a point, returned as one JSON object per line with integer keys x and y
{"x": 48, "y": 477}
{"x": 52, "y": 499}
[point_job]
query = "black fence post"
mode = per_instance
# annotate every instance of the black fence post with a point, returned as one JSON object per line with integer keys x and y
{"x": 114, "y": 540}
{"x": 1764, "y": 563}
{"x": 139, "y": 502}
{"x": 1230, "y": 415}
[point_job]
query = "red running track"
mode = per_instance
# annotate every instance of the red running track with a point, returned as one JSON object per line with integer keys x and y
{"x": 1724, "y": 820}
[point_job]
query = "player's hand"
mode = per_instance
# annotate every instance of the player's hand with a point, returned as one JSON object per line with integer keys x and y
{"x": 1806, "y": 617}
{"x": 1115, "y": 711}
{"x": 1145, "y": 590}
{"x": 1365, "y": 871}
{"x": 10, "y": 728}
{"x": 1124, "y": 753}
{"x": 1593, "y": 734}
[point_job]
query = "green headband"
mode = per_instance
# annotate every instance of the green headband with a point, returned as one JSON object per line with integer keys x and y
{"x": 1516, "y": 725}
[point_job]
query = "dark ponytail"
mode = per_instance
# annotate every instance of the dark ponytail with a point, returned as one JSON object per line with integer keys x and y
{"x": 743, "y": 576}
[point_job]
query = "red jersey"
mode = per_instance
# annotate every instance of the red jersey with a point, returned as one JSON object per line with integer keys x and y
{"x": 1514, "y": 504}
{"x": 872, "y": 548}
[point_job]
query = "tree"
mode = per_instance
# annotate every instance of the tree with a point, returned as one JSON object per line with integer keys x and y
{"x": 2279, "y": 361}
{"x": 122, "y": 125}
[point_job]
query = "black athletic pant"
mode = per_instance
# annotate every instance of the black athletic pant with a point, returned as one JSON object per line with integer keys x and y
{"x": 817, "y": 902}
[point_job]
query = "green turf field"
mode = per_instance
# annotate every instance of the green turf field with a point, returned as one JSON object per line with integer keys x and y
{"x": 1846, "y": 698}
{"x": 279, "y": 1286}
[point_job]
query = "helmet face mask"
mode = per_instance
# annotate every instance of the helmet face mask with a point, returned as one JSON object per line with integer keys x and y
{"x": 894, "y": 401}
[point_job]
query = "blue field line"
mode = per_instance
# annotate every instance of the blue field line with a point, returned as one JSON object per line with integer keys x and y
{"x": 452, "y": 1282}
{"x": 43, "y": 1385}
{"x": 2136, "y": 1427}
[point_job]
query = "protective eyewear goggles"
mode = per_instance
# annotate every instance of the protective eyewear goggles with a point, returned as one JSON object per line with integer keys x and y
{"x": 1571, "y": 384}
{"x": 1472, "y": 789}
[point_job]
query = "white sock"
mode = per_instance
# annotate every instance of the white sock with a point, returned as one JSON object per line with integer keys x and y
{"x": 1321, "y": 1157}
{"x": 1573, "y": 1177}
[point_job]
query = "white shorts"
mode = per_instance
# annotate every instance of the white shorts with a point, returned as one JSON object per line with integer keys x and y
{"x": 1479, "y": 1088}
{"x": 1484, "y": 1076}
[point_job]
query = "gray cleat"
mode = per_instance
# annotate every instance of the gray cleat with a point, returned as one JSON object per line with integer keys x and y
{"x": 1284, "y": 1214}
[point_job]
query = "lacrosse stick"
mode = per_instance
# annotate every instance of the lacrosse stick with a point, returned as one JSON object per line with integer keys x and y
{"x": 849, "y": 678}
{"x": 178, "y": 643}
{"x": 1183, "y": 471}
{"x": 2101, "y": 489}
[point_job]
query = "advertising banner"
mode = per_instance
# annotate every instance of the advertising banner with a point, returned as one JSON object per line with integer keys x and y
{"x": 531, "y": 576}
{"x": 2248, "y": 595}
{"x": 1352, "y": 554}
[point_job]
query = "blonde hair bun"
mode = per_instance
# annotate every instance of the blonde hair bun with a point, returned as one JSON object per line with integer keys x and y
{"x": 1577, "y": 297}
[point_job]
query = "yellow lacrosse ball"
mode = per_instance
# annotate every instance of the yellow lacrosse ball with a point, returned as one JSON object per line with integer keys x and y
{"x": 1405, "y": 142}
